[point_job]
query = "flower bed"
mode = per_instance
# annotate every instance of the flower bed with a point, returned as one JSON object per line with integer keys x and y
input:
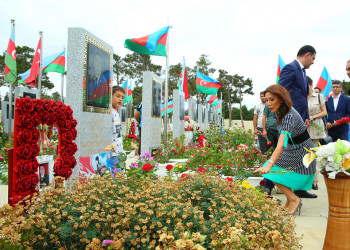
{"x": 197, "y": 211}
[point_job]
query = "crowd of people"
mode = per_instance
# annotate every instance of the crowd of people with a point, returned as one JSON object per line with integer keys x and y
{"x": 292, "y": 116}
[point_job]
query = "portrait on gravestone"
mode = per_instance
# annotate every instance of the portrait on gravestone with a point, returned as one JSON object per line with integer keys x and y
{"x": 182, "y": 108}
{"x": 8, "y": 111}
{"x": 30, "y": 95}
{"x": 44, "y": 179}
{"x": 156, "y": 98}
{"x": 98, "y": 74}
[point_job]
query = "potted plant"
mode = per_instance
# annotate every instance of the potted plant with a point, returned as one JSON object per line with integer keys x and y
{"x": 333, "y": 160}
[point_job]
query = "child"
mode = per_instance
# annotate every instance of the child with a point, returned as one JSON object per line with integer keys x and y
{"x": 117, "y": 100}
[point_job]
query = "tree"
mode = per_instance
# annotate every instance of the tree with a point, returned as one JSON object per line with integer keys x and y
{"x": 346, "y": 87}
{"x": 229, "y": 94}
{"x": 244, "y": 86}
{"x": 136, "y": 63}
{"x": 174, "y": 73}
{"x": 24, "y": 58}
{"x": 118, "y": 69}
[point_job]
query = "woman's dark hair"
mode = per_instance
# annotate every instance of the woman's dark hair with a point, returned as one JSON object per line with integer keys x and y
{"x": 318, "y": 89}
{"x": 117, "y": 88}
{"x": 283, "y": 94}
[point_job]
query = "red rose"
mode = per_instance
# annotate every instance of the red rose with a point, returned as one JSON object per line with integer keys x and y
{"x": 46, "y": 105}
{"x": 61, "y": 170}
{"x": 218, "y": 167}
{"x": 38, "y": 105}
{"x": 2, "y": 158}
{"x": 184, "y": 177}
{"x": 27, "y": 167}
{"x": 67, "y": 137}
{"x": 68, "y": 111}
{"x": 26, "y": 121}
{"x": 25, "y": 104}
{"x": 35, "y": 136}
{"x": 45, "y": 118}
{"x": 25, "y": 151}
{"x": 202, "y": 170}
{"x": 169, "y": 167}
{"x": 74, "y": 133}
{"x": 54, "y": 107}
{"x": 24, "y": 136}
{"x": 53, "y": 119}
{"x": 35, "y": 150}
{"x": 24, "y": 182}
{"x": 66, "y": 124}
{"x": 60, "y": 107}
{"x": 74, "y": 123}
{"x": 68, "y": 161}
{"x": 229, "y": 179}
{"x": 147, "y": 167}
{"x": 68, "y": 150}
{"x": 34, "y": 179}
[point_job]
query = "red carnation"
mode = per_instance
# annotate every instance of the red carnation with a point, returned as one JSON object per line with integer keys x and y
{"x": 229, "y": 179}
{"x": 169, "y": 167}
{"x": 202, "y": 170}
{"x": 147, "y": 167}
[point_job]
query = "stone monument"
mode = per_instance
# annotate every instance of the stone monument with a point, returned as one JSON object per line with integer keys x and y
{"x": 5, "y": 109}
{"x": 200, "y": 115}
{"x": 122, "y": 114}
{"x": 89, "y": 74}
{"x": 206, "y": 117}
{"x": 191, "y": 108}
{"x": 178, "y": 113}
{"x": 151, "y": 112}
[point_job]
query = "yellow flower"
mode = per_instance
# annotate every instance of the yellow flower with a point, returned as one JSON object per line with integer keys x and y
{"x": 309, "y": 158}
{"x": 346, "y": 164}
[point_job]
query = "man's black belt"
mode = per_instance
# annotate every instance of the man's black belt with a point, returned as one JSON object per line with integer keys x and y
{"x": 299, "y": 138}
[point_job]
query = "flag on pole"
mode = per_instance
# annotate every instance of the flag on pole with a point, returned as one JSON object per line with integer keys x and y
{"x": 153, "y": 44}
{"x": 130, "y": 99}
{"x": 10, "y": 59}
{"x": 217, "y": 107}
{"x": 182, "y": 83}
{"x": 280, "y": 66}
{"x": 211, "y": 98}
{"x": 170, "y": 107}
{"x": 34, "y": 71}
{"x": 125, "y": 87}
{"x": 325, "y": 83}
{"x": 206, "y": 84}
{"x": 53, "y": 63}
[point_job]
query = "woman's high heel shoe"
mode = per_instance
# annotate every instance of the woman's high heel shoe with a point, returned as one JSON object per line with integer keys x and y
{"x": 297, "y": 209}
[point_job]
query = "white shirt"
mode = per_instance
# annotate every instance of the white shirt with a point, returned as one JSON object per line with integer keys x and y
{"x": 117, "y": 132}
{"x": 259, "y": 110}
{"x": 302, "y": 67}
{"x": 335, "y": 101}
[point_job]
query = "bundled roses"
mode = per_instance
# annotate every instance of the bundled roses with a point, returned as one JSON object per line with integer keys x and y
{"x": 29, "y": 114}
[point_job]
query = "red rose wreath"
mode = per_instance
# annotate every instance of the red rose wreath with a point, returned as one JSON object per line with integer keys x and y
{"x": 29, "y": 114}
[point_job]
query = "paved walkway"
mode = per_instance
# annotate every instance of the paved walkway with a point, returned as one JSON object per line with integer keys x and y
{"x": 311, "y": 223}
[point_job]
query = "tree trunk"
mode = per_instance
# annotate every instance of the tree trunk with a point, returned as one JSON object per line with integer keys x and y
{"x": 240, "y": 106}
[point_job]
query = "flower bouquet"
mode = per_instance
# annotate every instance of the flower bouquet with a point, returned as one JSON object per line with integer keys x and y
{"x": 333, "y": 158}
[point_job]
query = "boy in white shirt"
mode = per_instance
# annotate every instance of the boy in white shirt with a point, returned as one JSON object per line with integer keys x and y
{"x": 118, "y": 95}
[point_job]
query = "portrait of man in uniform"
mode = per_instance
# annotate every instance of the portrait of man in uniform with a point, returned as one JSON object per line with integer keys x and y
{"x": 98, "y": 76}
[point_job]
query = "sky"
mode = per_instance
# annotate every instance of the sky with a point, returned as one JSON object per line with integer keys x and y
{"x": 241, "y": 37}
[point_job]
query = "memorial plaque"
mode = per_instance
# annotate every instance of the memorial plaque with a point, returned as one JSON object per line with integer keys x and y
{"x": 151, "y": 112}
{"x": 178, "y": 113}
{"x": 89, "y": 61}
{"x": 122, "y": 114}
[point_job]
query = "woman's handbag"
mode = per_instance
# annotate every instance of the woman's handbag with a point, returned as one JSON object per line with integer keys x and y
{"x": 325, "y": 140}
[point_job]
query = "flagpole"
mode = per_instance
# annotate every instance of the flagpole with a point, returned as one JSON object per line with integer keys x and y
{"x": 62, "y": 79}
{"x": 9, "y": 129}
{"x": 221, "y": 111}
{"x": 40, "y": 65}
{"x": 127, "y": 106}
{"x": 166, "y": 87}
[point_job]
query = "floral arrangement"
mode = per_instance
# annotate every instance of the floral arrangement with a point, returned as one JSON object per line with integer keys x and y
{"x": 190, "y": 125}
{"x": 341, "y": 121}
{"x": 29, "y": 114}
{"x": 199, "y": 211}
{"x": 333, "y": 158}
{"x": 144, "y": 167}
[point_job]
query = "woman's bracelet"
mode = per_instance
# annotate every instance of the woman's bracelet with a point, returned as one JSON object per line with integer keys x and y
{"x": 273, "y": 164}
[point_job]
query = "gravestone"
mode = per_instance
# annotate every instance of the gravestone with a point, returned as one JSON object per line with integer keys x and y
{"x": 191, "y": 108}
{"x": 25, "y": 92}
{"x": 151, "y": 126}
{"x": 178, "y": 113}
{"x": 89, "y": 74}
{"x": 122, "y": 114}
{"x": 200, "y": 114}
{"x": 5, "y": 109}
{"x": 206, "y": 117}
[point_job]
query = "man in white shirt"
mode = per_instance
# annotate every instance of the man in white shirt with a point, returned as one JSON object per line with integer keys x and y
{"x": 257, "y": 123}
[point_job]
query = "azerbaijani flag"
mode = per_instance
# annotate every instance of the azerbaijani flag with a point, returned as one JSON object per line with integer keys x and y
{"x": 182, "y": 83}
{"x": 130, "y": 99}
{"x": 34, "y": 70}
{"x": 170, "y": 107}
{"x": 325, "y": 83}
{"x": 217, "y": 107}
{"x": 206, "y": 84}
{"x": 53, "y": 63}
{"x": 125, "y": 87}
{"x": 153, "y": 44}
{"x": 280, "y": 66}
{"x": 211, "y": 98}
{"x": 10, "y": 59}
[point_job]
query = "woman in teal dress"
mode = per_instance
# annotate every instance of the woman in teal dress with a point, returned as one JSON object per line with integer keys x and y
{"x": 285, "y": 168}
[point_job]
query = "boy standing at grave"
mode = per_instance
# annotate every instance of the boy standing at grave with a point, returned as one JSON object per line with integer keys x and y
{"x": 118, "y": 95}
